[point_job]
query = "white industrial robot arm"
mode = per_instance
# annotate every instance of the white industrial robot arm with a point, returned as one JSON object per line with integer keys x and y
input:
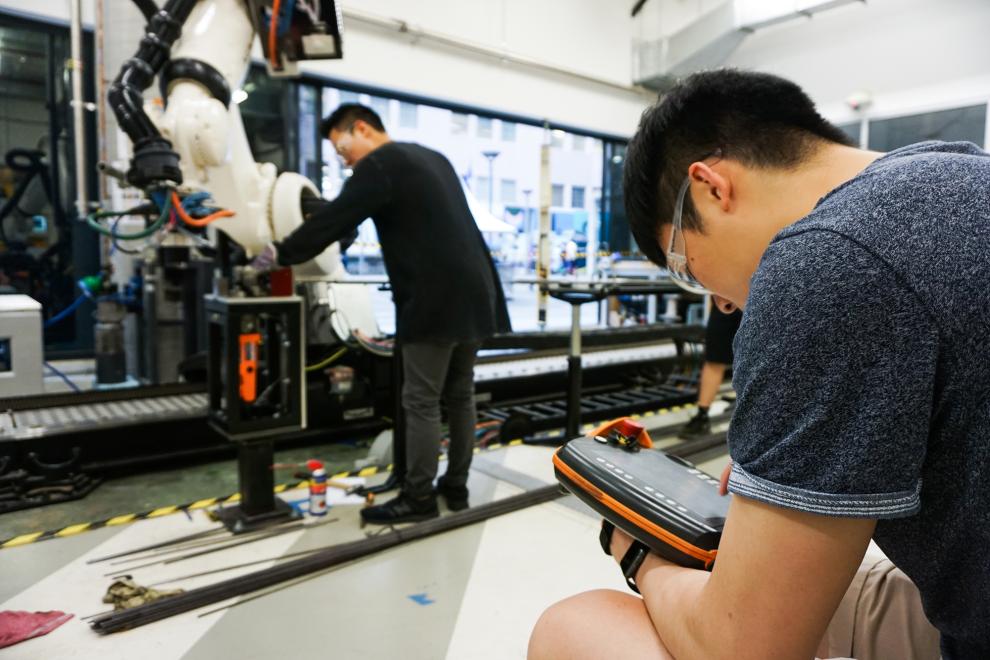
{"x": 206, "y": 131}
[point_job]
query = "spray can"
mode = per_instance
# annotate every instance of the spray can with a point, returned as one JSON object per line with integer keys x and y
{"x": 317, "y": 489}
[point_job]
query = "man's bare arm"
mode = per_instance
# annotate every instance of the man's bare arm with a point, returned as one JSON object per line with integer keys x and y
{"x": 779, "y": 577}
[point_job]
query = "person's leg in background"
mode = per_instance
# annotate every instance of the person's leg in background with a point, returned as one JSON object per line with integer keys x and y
{"x": 719, "y": 333}
{"x": 462, "y": 419}
{"x": 424, "y": 368}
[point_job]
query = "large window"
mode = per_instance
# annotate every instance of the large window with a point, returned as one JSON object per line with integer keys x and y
{"x": 851, "y": 130}
{"x": 615, "y": 225}
{"x": 264, "y": 112}
{"x": 482, "y": 189}
{"x": 967, "y": 124}
{"x": 498, "y": 162}
{"x": 485, "y": 127}
{"x": 577, "y": 197}
{"x": 382, "y": 107}
{"x": 408, "y": 117}
{"x": 508, "y": 191}
{"x": 310, "y": 157}
{"x": 458, "y": 123}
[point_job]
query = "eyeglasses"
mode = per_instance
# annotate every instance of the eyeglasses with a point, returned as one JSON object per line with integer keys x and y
{"x": 343, "y": 144}
{"x": 677, "y": 263}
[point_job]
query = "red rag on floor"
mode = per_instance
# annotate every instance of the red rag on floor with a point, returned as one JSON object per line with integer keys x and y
{"x": 18, "y": 626}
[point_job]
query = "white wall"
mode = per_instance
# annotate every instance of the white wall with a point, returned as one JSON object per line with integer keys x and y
{"x": 911, "y": 55}
{"x": 593, "y": 37}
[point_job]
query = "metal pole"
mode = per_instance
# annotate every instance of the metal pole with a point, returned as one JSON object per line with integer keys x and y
{"x": 543, "y": 244}
{"x": 574, "y": 374}
{"x": 78, "y": 108}
{"x": 491, "y": 156}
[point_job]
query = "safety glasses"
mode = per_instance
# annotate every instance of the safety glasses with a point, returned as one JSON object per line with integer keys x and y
{"x": 677, "y": 263}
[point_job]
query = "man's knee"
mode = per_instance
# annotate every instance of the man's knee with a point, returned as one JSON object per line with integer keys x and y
{"x": 459, "y": 398}
{"x": 559, "y": 632}
{"x": 421, "y": 400}
{"x": 549, "y": 636}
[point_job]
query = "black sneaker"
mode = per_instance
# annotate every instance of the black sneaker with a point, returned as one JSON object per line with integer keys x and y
{"x": 698, "y": 426}
{"x": 402, "y": 509}
{"x": 455, "y": 496}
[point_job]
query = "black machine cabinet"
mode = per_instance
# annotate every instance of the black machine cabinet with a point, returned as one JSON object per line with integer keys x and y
{"x": 256, "y": 393}
{"x": 661, "y": 500}
{"x": 256, "y": 383}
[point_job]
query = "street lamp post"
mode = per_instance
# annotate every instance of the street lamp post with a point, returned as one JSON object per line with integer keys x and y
{"x": 491, "y": 156}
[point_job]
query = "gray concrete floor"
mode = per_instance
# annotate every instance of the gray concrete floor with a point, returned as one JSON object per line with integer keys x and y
{"x": 144, "y": 492}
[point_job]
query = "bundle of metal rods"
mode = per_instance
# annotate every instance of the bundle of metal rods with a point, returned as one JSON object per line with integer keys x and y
{"x": 317, "y": 561}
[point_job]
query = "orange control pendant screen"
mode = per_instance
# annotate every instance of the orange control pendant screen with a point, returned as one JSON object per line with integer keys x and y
{"x": 248, "y": 368}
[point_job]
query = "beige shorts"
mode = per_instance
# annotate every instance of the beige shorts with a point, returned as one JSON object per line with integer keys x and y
{"x": 880, "y": 617}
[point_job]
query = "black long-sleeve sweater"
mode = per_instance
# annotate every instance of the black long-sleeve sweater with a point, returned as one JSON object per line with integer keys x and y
{"x": 443, "y": 279}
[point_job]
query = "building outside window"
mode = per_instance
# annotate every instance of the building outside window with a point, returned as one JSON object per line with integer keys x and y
{"x": 578, "y": 142}
{"x": 481, "y": 188}
{"x": 458, "y": 123}
{"x": 557, "y": 195}
{"x": 557, "y": 138}
{"x": 508, "y": 191}
{"x": 381, "y": 106}
{"x": 484, "y": 127}
{"x": 346, "y": 96}
{"x": 577, "y": 197}
{"x": 408, "y": 116}
{"x": 508, "y": 131}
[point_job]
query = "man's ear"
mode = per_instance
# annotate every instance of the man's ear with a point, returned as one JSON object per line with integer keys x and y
{"x": 716, "y": 188}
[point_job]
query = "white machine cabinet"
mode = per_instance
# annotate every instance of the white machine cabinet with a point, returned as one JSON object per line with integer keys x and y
{"x": 21, "y": 355}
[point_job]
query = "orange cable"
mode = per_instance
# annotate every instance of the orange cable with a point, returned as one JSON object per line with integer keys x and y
{"x": 273, "y": 33}
{"x": 197, "y": 222}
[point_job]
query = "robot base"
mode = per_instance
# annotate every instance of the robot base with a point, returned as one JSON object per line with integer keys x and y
{"x": 238, "y": 521}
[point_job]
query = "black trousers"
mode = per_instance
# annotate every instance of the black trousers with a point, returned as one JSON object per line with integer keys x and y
{"x": 433, "y": 373}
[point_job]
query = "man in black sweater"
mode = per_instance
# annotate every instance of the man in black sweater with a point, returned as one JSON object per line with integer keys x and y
{"x": 447, "y": 294}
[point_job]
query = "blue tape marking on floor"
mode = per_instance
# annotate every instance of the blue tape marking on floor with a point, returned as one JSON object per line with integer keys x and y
{"x": 421, "y": 599}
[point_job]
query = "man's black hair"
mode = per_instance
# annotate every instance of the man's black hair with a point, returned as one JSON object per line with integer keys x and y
{"x": 346, "y": 114}
{"x": 758, "y": 119}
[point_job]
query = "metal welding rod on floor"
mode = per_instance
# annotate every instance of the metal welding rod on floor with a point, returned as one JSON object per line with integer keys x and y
{"x": 330, "y": 556}
{"x": 206, "y": 542}
{"x": 162, "y": 544}
{"x": 231, "y": 542}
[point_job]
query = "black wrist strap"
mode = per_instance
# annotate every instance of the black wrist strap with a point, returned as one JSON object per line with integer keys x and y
{"x": 631, "y": 562}
{"x": 605, "y": 537}
{"x": 633, "y": 558}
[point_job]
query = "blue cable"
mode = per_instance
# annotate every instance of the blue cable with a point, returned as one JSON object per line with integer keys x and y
{"x": 68, "y": 311}
{"x": 73, "y": 306}
{"x": 61, "y": 375}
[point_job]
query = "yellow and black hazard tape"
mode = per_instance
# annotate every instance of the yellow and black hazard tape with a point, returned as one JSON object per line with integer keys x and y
{"x": 72, "y": 530}
{"x": 369, "y": 471}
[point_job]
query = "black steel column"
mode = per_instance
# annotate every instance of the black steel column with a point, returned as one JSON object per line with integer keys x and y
{"x": 256, "y": 479}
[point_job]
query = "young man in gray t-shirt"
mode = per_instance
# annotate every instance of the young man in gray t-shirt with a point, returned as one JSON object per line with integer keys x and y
{"x": 862, "y": 372}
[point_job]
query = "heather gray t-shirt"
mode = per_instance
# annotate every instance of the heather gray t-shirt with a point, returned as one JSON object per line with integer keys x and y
{"x": 863, "y": 374}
